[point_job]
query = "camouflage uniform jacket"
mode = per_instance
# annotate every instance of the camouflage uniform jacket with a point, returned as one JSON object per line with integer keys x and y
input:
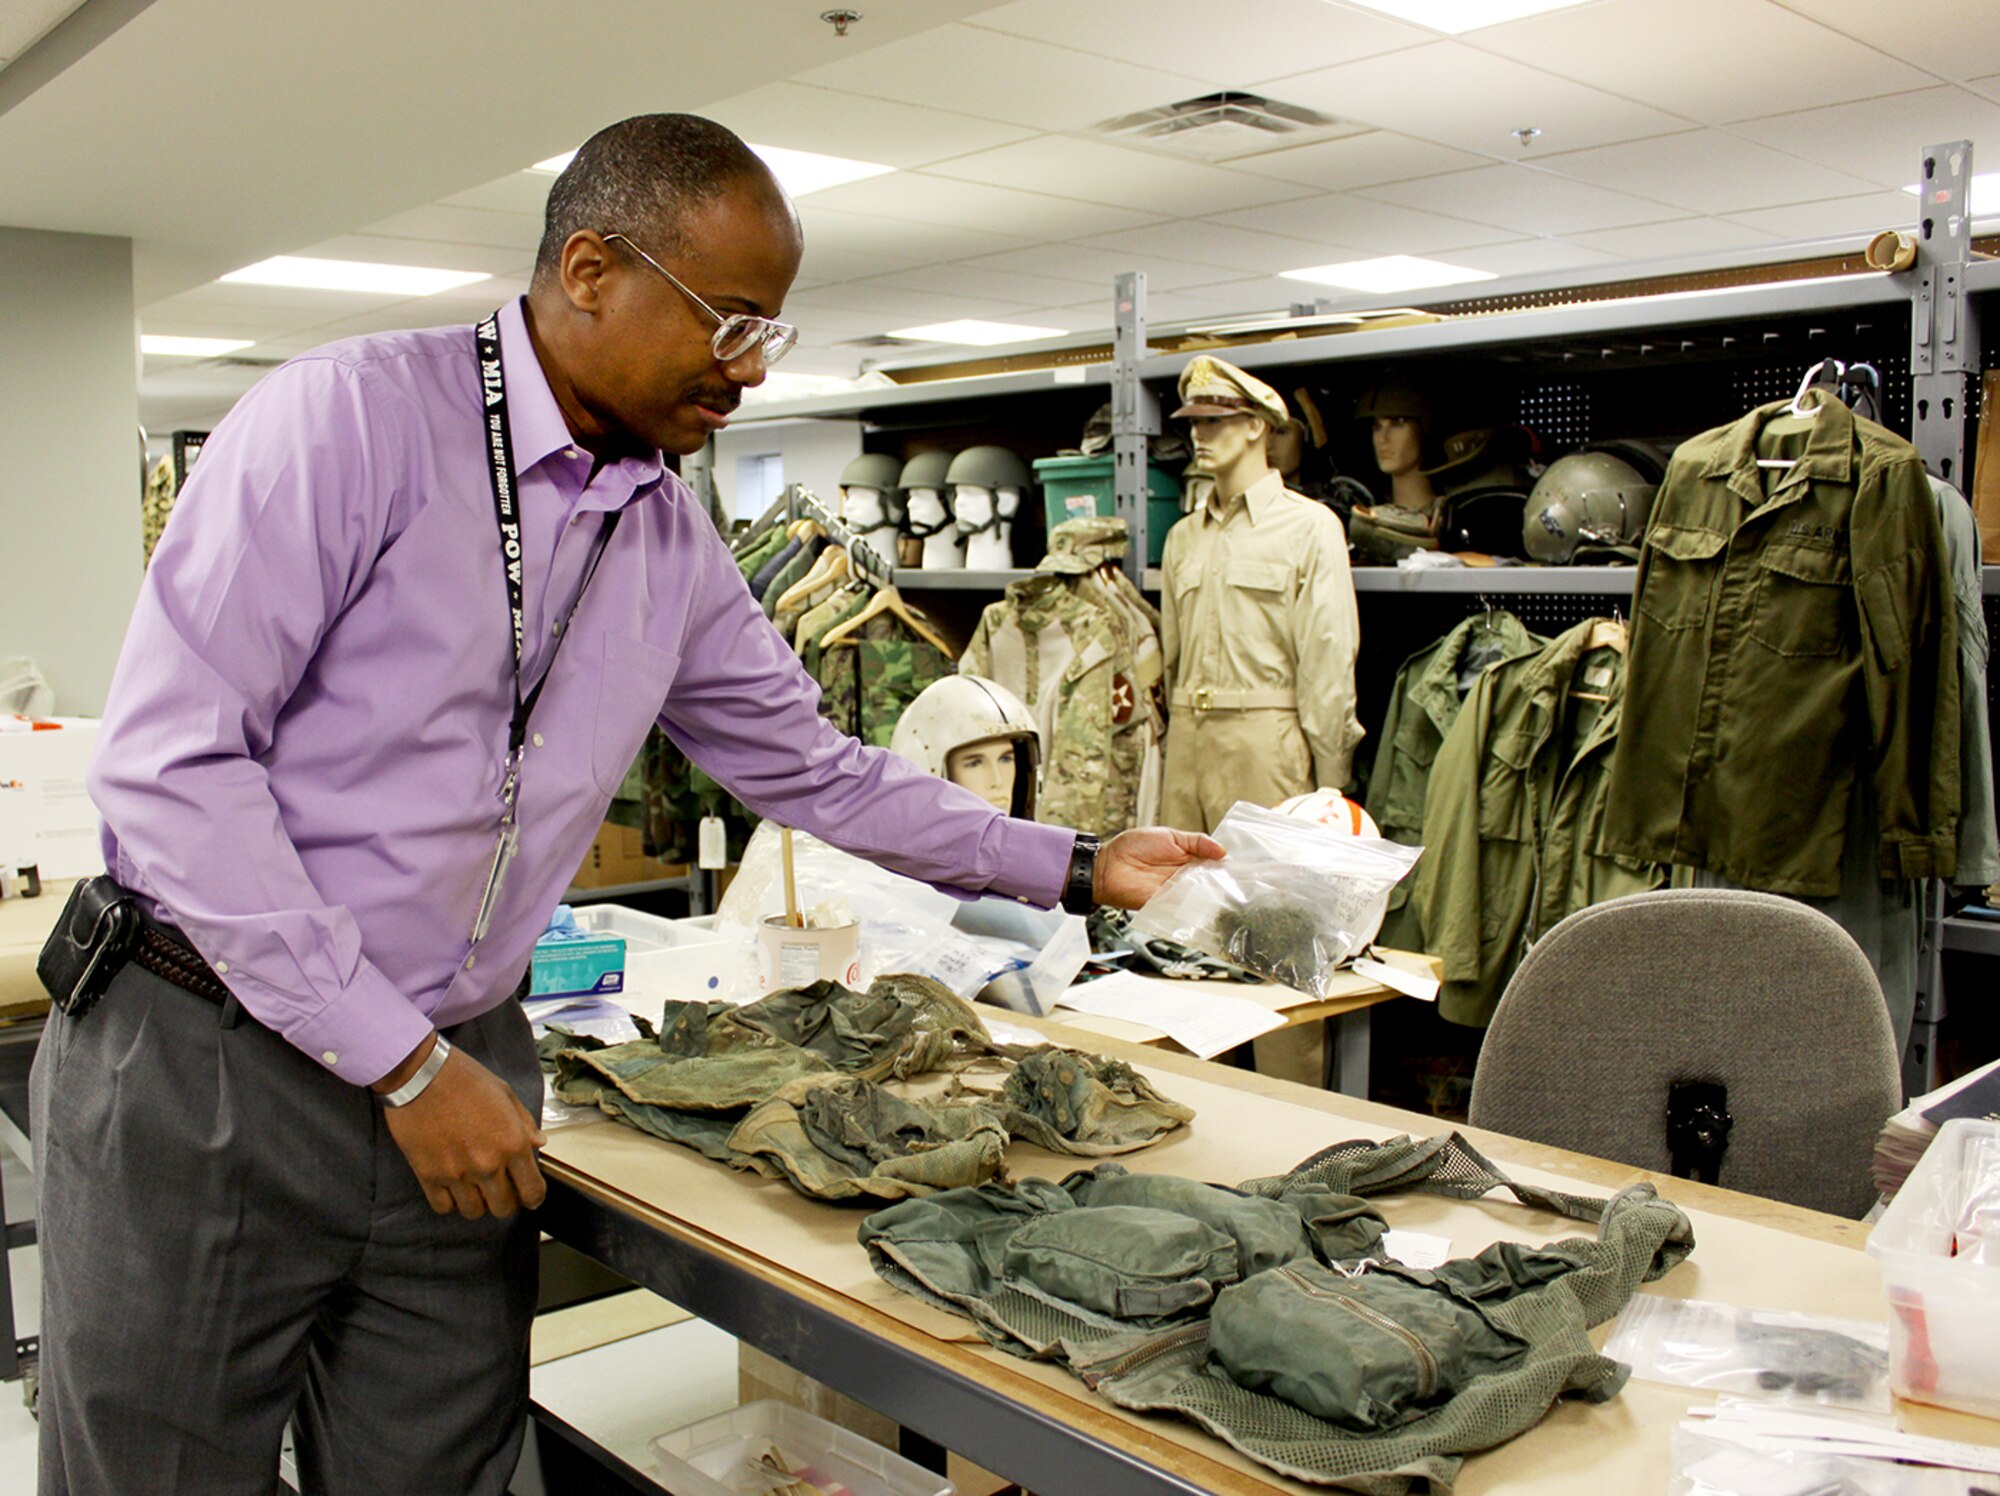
{"x": 824, "y": 619}
{"x": 868, "y": 678}
{"x": 1135, "y": 751}
{"x": 1514, "y": 814}
{"x": 1423, "y": 704}
{"x": 158, "y": 503}
{"x": 750, "y": 560}
{"x": 1066, "y": 655}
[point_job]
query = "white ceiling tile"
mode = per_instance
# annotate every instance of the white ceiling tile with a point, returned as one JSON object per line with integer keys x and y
{"x": 1861, "y": 216}
{"x": 1881, "y": 139}
{"x": 897, "y": 307}
{"x": 1952, "y": 38}
{"x": 1706, "y": 171}
{"x": 1199, "y": 306}
{"x": 921, "y": 198}
{"x": 1227, "y": 245}
{"x": 825, "y": 324}
{"x": 800, "y": 117}
{"x": 1188, "y": 36}
{"x": 1455, "y": 94}
{"x": 825, "y": 266}
{"x": 1683, "y": 236}
{"x": 417, "y": 312}
{"x": 1085, "y": 265}
{"x": 1523, "y": 199}
{"x": 1711, "y": 60}
{"x": 1529, "y": 257}
{"x": 1990, "y": 87}
{"x": 304, "y": 305}
{"x": 382, "y": 250}
{"x": 1359, "y": 161}
{"x": 861, "y": 234}
{"x": 517, "y": 192}
{"x": 1065, "y": 166}
{"x": 1343, "y": 221}
{"x": 443, "y": 224}
{"x": 962, "y": 279}
{"x": 997, "y": 76}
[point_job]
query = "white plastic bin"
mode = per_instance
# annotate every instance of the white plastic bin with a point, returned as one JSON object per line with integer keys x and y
{"x": 666, "y": 960}
{"x": 1944, "y": 1312}
{"x": 696, "y": 1460}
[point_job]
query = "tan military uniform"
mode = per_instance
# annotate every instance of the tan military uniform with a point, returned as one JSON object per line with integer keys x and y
{"x": 1260, "y": 630}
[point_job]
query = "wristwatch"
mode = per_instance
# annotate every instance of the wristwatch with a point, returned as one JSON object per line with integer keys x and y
{"x": 417, "y": 1084}
{"x": 1079, "y": 895}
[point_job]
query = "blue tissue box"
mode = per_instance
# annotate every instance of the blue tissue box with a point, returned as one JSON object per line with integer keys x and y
{"x": 591, "y": 967}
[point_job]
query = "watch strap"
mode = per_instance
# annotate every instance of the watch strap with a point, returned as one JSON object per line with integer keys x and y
{"x": 1079, "y": 895}
{"x": 427, "y": 1072}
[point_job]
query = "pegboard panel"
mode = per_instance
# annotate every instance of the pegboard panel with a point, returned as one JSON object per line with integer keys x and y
{"x": 1762, "y": 380}
{"x": 1557, "y": 412}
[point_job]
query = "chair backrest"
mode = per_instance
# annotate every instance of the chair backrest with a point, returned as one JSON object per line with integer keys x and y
{"x": 1767, "y": 997}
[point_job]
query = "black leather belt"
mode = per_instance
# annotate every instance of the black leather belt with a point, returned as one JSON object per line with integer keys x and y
{"x": 172, "y": 959}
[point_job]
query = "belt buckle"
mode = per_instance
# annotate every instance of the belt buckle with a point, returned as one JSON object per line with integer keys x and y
{"x": 1204, "y": 699}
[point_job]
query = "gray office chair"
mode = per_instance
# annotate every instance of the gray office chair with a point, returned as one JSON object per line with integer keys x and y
{"x": 1742, "y": 1033}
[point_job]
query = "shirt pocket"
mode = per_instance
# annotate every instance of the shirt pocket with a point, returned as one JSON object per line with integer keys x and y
{"x": 1252, "y": 595}
{"x": 632, "y": 688}
{"x": 1805, "y": 596}
{"x": 1681, "y": 567}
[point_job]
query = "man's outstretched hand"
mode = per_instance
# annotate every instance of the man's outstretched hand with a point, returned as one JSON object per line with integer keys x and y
{"x": 1133, "y": 864}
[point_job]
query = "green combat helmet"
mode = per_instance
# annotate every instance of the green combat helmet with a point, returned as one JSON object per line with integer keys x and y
{"x": 1591, "y": 503}
{"x": 875, "y": 470}
{"x": 988, "y": 467}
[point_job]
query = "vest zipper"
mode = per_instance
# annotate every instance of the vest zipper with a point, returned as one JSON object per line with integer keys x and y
{"x": 1426, "y": 1363}
{"x": 1151, "y": 1351}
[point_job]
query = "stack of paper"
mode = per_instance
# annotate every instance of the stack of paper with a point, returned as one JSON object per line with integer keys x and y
{"x": 1202, "y": 1017}
{"x": 1907, "y": 1134}
{"x": 1772, "y": 1429}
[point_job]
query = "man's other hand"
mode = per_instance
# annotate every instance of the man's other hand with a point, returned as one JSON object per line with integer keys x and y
{"x": 470, "y": 1142}
{"x": 1133, "y": 864}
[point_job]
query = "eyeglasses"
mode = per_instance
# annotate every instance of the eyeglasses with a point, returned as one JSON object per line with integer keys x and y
{"x": 735, "y": 335}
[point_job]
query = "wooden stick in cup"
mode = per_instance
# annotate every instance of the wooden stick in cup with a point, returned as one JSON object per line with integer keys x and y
{"x": 792, "y": 916}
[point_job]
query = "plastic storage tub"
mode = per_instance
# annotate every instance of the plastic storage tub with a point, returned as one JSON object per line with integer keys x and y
{"x": 678, "y": 960}
{"x": 1073, "y": 487}
{"x": 1944, "y": 1312}
{"x": 696, "y": 1460}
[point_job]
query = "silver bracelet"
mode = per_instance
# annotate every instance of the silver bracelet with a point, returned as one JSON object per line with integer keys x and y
{"x": 417, "y": 1084}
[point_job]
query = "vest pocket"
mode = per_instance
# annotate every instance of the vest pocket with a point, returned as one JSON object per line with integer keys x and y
{"x": 1804, "y": 597}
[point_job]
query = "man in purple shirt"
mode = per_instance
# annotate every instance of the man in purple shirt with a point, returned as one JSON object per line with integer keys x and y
{"x": 411, "y": 621}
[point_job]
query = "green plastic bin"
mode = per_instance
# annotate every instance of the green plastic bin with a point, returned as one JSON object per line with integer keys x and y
{"x": 1073, "y": 487}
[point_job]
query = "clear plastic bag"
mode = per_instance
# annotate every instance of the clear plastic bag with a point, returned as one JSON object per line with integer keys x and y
{"x": 1760, "y": 1353}
{"x": 1705, "y": 1466}
{"x": 1976, "y": 1233}
{"x": 1293, "y": 901}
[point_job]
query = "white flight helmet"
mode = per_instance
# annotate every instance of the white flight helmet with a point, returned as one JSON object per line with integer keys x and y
{"x": 962, "y": 709}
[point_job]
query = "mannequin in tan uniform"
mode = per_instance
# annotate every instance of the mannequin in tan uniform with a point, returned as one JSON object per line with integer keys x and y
{"x": 1259, "y": 625}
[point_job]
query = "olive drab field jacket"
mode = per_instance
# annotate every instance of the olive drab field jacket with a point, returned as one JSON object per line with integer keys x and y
{"x": 1423, "y": 704}
{"x": 1794, "y": 629}
{"x": 1513, "y": 818}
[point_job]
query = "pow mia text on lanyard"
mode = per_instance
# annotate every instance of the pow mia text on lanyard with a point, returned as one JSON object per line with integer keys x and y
{"x": 507, "y": 515}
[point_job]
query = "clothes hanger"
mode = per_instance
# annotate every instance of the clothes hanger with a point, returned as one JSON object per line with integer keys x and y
{"x": 889, "y": 600}
{"x": 829, "y": 570}
{"x": 1802, "y": 411}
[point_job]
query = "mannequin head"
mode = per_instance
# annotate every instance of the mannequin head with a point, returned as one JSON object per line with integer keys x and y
{"x": 1286, "y": 449}
{"x": 1399, "y": 444}
{"x": 926, "y": 506}
{"x": 974, "y": 507}
{"x": 866, "y": 508}
{"x": 1230, "y": 449}
{"x": 987, "y": 768}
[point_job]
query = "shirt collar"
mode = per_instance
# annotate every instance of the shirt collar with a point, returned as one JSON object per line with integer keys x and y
{"x": 1828, "y": 457}
{"x": 534, "y": 419}
{"x": 1257, "y": 498}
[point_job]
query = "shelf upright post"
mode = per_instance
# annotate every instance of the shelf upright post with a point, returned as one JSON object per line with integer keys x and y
{"x": 1944, "y": 329}
{"x": 1135, "y": 416}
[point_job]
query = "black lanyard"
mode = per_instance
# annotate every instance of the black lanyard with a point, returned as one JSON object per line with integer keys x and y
{"x": 507, "y": 514}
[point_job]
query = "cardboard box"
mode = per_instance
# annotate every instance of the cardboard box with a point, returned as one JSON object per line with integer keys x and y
{"x": 618, "y": 856}
{"x": 47, "y": 768}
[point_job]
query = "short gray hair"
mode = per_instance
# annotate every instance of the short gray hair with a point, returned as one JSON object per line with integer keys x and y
{"x": 641, "y": 176}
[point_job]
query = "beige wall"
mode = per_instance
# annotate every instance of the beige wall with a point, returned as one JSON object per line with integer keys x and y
{"x": 69, "y": 457}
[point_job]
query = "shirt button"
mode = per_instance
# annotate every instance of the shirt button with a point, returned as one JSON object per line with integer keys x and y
{"x": 222, "y": 968}
{"x": 332, "y": 1057}
{"x": 538, "y": 740}
{"x": 572, "y": 454}
{"x": 470, "y": 961}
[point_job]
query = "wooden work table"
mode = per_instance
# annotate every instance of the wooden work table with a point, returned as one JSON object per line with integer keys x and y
{"x": 785, "y": 1274}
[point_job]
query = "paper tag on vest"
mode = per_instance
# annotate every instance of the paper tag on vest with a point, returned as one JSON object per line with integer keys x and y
{"x": 1409, "y": 983}
{"x": 712, "y": 844}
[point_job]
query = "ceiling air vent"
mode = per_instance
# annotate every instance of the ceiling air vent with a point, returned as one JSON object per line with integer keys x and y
{"x": 878, "y": 340}
{"x": 1225, "y": 126}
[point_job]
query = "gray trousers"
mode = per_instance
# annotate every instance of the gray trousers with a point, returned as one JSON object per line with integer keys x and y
{"x": 231, "y": 1239}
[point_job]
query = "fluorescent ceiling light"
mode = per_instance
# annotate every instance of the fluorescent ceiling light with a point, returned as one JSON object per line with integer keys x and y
{"x": 979, "y": 334}
{"x": 1454, "y": 16}
{"x": 1389, "y": 273}
{"x": 1985, "y": 194}
{"x": 798, "y": 172}
{"x": 160, "y": 346}
{"x": 352, "y": 275}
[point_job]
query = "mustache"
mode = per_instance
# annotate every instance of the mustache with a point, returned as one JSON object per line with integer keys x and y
{"x": 724, "y": 398}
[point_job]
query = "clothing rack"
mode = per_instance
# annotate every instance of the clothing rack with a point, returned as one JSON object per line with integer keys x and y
{"x": 867, "y": 562}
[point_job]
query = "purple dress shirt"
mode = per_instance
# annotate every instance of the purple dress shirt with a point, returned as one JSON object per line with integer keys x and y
{"x": 302, "y": 749}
